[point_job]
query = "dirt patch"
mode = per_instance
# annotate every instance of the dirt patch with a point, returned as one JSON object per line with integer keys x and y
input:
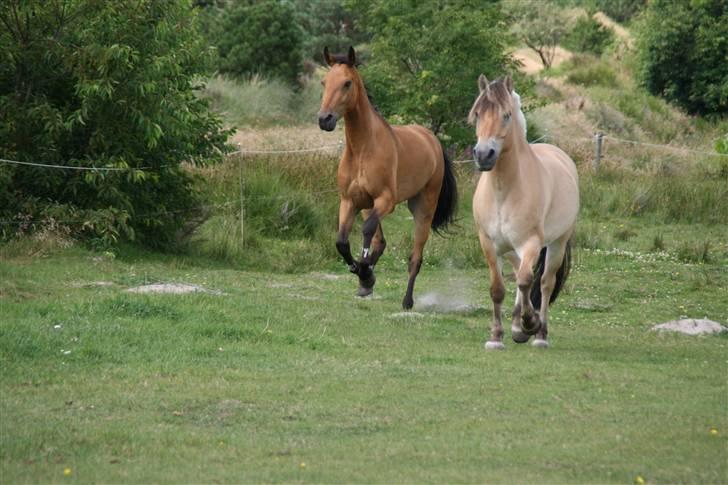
{"x": 531, "y": 63}
{"x": 173, "y": 288}
{"x": 691, "y": 326}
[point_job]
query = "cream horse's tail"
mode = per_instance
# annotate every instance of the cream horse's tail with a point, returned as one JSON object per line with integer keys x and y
{"x": 561, "y": 275}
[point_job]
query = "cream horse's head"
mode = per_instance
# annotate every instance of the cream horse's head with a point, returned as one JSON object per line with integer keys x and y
{"x": 495, "y": 113}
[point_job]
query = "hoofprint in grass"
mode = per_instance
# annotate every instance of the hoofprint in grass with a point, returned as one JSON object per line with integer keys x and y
{"x": 691, "y": 326}
{"x": 173, "y": 288}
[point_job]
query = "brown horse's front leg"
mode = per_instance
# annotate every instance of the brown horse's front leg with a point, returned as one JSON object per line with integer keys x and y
{"x": 383, "y": 205}
{"x": 346, "y": 222}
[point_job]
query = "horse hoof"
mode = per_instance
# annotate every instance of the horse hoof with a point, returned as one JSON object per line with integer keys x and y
{"x": 364, "y": 291}
{"x": 368, "y": 280}
{"x": 518, "y": 336}
{"x": 494, "y": 345}
{"x": 407, "y": 304}
{"x": 540, "y": 343}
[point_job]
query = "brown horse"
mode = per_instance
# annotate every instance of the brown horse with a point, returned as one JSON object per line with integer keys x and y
{"x": 525, "y": 209}
{"x": 382, "y": 165}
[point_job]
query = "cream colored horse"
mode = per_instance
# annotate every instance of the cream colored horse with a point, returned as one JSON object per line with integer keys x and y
{"x": 525, "y": 205}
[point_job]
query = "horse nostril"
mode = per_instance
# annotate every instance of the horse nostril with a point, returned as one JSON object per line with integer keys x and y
{"x": 491, "y": 153}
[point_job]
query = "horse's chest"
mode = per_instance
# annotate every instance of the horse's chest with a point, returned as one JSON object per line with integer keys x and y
{"x": 502, "y": 229}
{"x": 356, "y": 191}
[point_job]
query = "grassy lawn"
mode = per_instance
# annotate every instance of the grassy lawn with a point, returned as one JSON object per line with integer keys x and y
{"x": 290, "y": 378}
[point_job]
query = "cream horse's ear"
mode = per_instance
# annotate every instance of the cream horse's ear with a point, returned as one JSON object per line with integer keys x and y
{"x": 483, "y": 83}
{"x": 509, "y": 83}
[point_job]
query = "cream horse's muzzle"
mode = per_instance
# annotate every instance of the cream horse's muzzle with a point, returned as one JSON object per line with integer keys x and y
{"x": 485, "y": 156}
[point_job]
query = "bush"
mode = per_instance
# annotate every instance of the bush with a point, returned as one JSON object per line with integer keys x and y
{"x": 106, "y": 85}
{"x": 595, "y": 74}
{"x": 588, "y": 36}
{"x": 261, "y": 38}
{"x": 682, "y": 48}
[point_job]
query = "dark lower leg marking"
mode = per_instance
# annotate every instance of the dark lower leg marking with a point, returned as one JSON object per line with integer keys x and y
{"x": 368, "y": 231}
{"x": 414, "y": 269}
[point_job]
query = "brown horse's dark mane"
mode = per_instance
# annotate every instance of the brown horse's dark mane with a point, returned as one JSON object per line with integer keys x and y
{"x": 496, "y": 96}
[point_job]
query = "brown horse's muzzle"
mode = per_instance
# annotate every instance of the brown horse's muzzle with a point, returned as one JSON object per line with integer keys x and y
{"x": 327, "y": 121}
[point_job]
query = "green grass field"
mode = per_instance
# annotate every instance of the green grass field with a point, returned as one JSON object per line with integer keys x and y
{"x": 290, "y": 378}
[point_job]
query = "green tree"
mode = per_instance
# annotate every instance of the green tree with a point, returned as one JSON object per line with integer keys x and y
{"x": 261, "y": 37}
{"x": 539, "y": 24}
{"x": 426, "y": 58}
{"x": 588, "y": 35}
{"x": 89, "y": 83}
{"x": 683, "y": 53}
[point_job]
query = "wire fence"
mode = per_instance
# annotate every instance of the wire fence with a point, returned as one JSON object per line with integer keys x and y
{"x": 598, "y": 141}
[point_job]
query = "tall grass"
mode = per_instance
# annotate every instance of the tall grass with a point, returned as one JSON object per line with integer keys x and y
{"x": 260, "y": 101}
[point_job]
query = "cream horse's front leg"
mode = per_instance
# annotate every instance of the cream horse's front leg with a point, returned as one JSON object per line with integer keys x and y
{"x": 528, "y": 254}
{"x": 497, "y": 292}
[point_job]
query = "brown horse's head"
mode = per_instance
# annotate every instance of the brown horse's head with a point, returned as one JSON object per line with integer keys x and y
{"x": 342, "y": 87}
{"x": 492, "y": 113}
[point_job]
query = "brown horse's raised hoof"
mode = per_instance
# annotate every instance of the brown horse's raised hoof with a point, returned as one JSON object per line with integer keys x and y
{"x": 362, "y": 291}
{"x": 366, "y": 282}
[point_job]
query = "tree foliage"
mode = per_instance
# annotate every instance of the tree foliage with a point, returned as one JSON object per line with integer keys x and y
{"x": 588, "y": 35}
{"x": 683, "y": 53}
{"x": 426, "y": 58}
{"x": 262, "y": 37}
{"x": 90, "y": 83}
{"x": 540, "y": 25}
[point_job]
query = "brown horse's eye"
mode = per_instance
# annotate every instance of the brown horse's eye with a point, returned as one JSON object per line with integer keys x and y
{"x": 347, "y": 84}
{"x": 323, "y": 83}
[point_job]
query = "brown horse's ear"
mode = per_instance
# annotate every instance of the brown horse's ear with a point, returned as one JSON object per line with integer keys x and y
{"x": 352, "y": 57}
{"x": 327, "y": 57}
{"x": 482, "y": 83}
{"x": 509, "y": 83}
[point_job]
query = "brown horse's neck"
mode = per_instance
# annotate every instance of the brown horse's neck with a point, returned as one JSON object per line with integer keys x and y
{"x": 361, "y": 122}
{"x": 514, "y": 158}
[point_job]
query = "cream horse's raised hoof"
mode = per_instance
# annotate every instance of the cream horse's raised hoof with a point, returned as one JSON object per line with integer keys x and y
{"x": 525, "y": 208}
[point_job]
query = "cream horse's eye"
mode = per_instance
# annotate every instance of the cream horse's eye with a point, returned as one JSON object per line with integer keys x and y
{"x": 507, "y": 117}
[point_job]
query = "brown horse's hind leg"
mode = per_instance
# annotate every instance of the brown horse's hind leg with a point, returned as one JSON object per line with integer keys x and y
{"x": 497, "y": 293}
{"x": 422, "y": 209}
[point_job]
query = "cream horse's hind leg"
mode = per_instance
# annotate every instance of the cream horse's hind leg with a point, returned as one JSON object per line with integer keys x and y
{"x": 497, "y": 292}
{"x": 554, "y": 258}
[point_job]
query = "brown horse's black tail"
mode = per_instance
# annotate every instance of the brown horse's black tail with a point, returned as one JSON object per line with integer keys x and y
{"x": 448, "y": 201}
{"x": 561, "y": 275}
